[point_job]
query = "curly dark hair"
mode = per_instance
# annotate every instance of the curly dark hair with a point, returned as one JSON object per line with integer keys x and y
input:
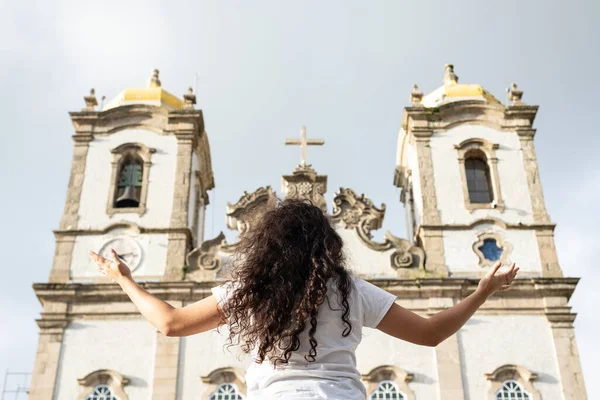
{"x": 281, "y": 268}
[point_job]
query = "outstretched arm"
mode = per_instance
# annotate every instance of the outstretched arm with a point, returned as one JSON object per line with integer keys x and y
{"x": 195, "y": 318}
{"x": 406, "y": 325}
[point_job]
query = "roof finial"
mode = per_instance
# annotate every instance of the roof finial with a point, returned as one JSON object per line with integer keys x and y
{"x": 190, "y": 99}
{"x": 90, "y": 101}
{"x": 416, "y": 96}
{"x": 515, "y": 94}
{"x": 154, "y": 81}
{"x": 450, "y": 76}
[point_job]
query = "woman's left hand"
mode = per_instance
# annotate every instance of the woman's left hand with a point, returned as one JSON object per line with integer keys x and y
{"x": 115, "y": 269}
{"x": 492, "y": 283}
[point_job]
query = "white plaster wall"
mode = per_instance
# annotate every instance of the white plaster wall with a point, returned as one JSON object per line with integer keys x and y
{"x": 377, "y": 349}
{"x": 200, "y": 355}
{"x": 511, "y": 171}
{"x": 154, "y": 253}
{"x": 364, "y": 261}
{"x": 488, "y": 342}
{"x": 462, "y": 260}
{"x": 98, "y": 171}
{"x": 127, "y": 347}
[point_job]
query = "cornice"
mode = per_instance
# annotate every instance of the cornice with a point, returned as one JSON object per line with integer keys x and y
{"x": 66, "y": 233}
{"x": 533, "y": 287}
{"x": 423, "y": 121}
{"x": 502, "y": 224}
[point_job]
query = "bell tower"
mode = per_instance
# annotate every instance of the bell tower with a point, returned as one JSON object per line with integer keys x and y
{"x": 139, "y": 180}
{"x": 140, "y": 174}
{"x": 470, "y": 184}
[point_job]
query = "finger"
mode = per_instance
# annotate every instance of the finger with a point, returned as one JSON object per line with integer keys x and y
{"x": 97, "y": 258}
{"x": 504, "y": 288}
{"x": 115, "y": 255}
{"x": 514, "y": 274}
{"x": 494, "y": 269}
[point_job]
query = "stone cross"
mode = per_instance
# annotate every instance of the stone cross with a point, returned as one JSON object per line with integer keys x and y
{"x": 304, "y": 142}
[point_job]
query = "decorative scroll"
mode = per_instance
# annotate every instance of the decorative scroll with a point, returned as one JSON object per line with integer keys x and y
{"x": 240, "y": 214}
{"x": 360, "y": 214}
{"x": 208, "y": 256}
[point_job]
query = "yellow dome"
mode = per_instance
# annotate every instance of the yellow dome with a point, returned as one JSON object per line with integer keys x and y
{"x": 452, "y": 91}
{"x": 154, "y": 95}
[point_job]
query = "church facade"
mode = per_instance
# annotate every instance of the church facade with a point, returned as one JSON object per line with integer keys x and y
{"x": 469, "y": 180}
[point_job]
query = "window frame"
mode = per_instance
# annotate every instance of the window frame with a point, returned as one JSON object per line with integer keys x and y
{"x": 519, "y": 385}
{"x": 389, "y": 373}
{"x": 114, "y": 380}
{"x": 486, "y": 152}
{"x": 113, "y": 395}
{"x": 512, "y": 372}
{"x": 398, "y": 391}
{"x": 500, "y": 242}
{"x": 120, "y": 155}
{"x": 238, "y": 392}
{"x": 219, "y": 376}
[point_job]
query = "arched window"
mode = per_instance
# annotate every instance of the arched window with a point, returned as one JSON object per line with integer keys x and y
{"x": 387, "y": 390}
{"x": 226, "y": 391}
{"x": 226, "y": 383}
{"x": 478, "y": 180}
{"x": 512, "y": 382}
{"x": 129, "y": 185}
{"x": 479, "y": 174}
{"x": 102, "y": 392}
{"x": 512, "y": 390}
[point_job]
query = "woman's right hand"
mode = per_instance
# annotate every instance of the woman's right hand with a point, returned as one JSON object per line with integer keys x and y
{"x": 491, "y": 282}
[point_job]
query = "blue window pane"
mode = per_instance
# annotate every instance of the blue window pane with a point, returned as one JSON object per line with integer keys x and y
{"x": 490, "y": 250}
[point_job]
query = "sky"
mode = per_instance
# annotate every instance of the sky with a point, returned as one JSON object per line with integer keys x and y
{"x": 344, "y": 69}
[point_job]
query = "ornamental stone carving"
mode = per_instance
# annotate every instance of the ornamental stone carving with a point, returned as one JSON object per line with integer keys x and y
{"x": 206, "y": 256}
{"x": 500, "y": 242}
{"x": 240, "y": 214}
{"x": 305, "y": 184}
{"x": 361, "y": 215}
{"x": 356, "y": 211}
{"x": 209, "y": 256}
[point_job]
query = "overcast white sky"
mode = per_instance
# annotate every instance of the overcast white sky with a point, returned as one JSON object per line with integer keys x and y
{"x": 342, "y": 68}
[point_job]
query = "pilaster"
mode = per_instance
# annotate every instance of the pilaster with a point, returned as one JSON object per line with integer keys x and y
{"x": 530, "y": 163}
{"x": 80, "y": 150}
{"x": 548, "y": 256}
{"x": 187, "y": 126}
{"x": 177, "y": 248}
{"x": 43, "y": 379}
{"x": 63, "y": 253}
{"x": 447, "y": 357}
{"x": 427, "y": 183}
{"x": 166, "y": 362}
{"x": 433, "y": 244}
{"x": 569, "y": 365}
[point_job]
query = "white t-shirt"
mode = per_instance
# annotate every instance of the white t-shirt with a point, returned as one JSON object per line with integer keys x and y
{"x": 333, "y": 375}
